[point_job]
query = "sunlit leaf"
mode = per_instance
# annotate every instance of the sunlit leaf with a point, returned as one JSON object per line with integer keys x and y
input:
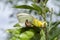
{"x": 17, "y": 25}
{"x": 42, "y": 33}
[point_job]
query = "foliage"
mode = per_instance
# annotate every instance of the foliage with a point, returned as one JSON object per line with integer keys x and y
{"x": 49, "y": 32}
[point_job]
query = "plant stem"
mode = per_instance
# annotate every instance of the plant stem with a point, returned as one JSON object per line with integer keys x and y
{"x": 45, "y": 29}
{"x": 50, "y": 21}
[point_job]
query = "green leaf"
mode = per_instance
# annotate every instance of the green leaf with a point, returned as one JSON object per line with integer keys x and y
{"x": 25, "y": 7}
{"x": 54, "y": 26}
{"x": 26, "y": 35}
{"x": 34, "y": 1}
{"x": 56, "y": 34}
{"x": 13, "y": 38}
{"x": 39, "y": 9}
{"x": 46, "y": 1}
{"x": 36, "y": 6}
{"x": 29, "y": 33}
{"x": 17, "y": 25}
{"x": 42, "y": 33}
{"x": 46, "y": 9}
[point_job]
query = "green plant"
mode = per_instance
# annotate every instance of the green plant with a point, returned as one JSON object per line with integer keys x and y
{"x": 50, "y": 32}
